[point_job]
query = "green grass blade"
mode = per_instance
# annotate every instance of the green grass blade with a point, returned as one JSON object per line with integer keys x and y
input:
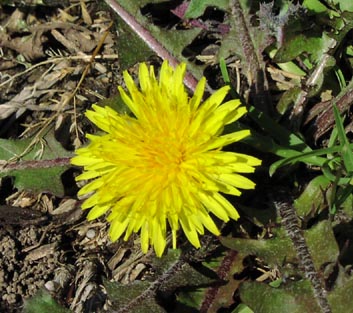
{"x": 347, "y": 153}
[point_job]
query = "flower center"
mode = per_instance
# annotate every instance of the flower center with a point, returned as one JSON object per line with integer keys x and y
{"x": 165, "y": 153}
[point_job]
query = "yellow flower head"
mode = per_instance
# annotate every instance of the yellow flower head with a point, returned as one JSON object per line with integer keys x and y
{"x": 164, "y": 166}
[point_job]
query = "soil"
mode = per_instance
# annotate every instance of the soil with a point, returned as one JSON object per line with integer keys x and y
{"x": 45, "y": 240}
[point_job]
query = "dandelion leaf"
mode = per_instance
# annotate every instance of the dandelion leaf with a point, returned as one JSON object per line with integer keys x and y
{"x": 273, "y": 251}
{"x": 28, "y": 171}
{"x": 132, "y": 49}
{"x": 344, "y": 5}
{"x": 312, "y": 200}
{"x": 216, "y": 296}
{"x": 172, "y": 276}
{"x": 186, "y": 276}
{"x": 173, "y": 40}
{"x": 320, "y": 240}
{"x": 294, "y": 297}
{"x": 322, "y": 244}
{"x": 341, "y": 297}
{"x": 134, "y": 297}
{"x": 197, "y": 7}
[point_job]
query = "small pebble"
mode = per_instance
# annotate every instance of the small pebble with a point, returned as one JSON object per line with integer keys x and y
{"x": 91, "y": 233}
{"x": 51, "y": 285}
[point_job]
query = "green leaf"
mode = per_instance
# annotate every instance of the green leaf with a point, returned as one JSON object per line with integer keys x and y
{"x": 39, "y": 169}
{"x": 320, "y": 240}
{"x": 171, "y": 274}
{"x": 294, "y": 297}
{"x": 43, "y": 302}
{"x": 347, "y": 153}
{"x": 296, "y": 46}
{"x": 242, "y": 308}
{"x": 116, "y": 103}
{"x": 322, "y": 244}
{"x": 312, "y": 199}
{"x": 273, "y": 251}
{"x": 344, "y": 5}
{"x": 197, "y": 7}
{"x": 132, "y": 297}
{"x": 314, "y": 5}
{"x": 132, "y": 49}
{"x": 312, "y": 158}
{"x": 341, "y": 298}
{"x": 288, "y": 99}
{"x": 283, "y": 136}
{"x": 173, "y": 40}
{"x": 222, "y": 294}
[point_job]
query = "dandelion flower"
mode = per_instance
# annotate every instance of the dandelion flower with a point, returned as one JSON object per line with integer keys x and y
{"x": 163, "y": 167}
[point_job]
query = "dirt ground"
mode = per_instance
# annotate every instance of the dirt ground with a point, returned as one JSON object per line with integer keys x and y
{"x": 45, "y": 241}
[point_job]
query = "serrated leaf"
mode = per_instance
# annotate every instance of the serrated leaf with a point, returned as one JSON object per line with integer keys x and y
{"x": 31, "y": 172}
{"x": 171, "y": 274}
{"x": 322, "y": 244}
{"x": 43, "y": 302}
{"x": 161, "y": 265}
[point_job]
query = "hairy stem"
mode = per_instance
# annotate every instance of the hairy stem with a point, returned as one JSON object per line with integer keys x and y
{"x": 291, "y": 224}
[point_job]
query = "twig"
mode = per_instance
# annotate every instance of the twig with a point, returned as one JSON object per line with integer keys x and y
{"x": 146, "y": 36}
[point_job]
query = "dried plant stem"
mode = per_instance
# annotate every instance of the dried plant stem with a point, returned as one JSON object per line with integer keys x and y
{"x": 152, "y": 42}
{"x": 291, "y": 224}
{"x": 86, "y": 58}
